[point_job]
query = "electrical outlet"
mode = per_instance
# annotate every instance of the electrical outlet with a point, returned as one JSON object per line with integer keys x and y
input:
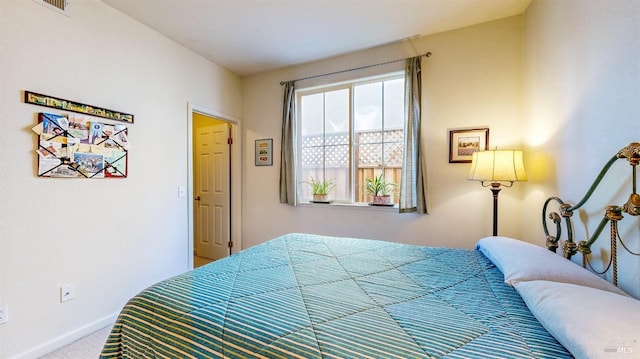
{"x": 67, "y": 292}
{"x": 4, "y": 314}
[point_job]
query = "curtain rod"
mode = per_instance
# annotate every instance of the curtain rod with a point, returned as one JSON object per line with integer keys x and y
{"x": 428, "y": 54}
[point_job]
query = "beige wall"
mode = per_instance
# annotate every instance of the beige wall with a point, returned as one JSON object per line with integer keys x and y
{"x": 112, "y": 237}
{"x": 582, "y": 75}
{"x": 473, "y": 79}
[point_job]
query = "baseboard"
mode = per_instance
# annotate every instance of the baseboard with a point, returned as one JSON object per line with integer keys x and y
{"x": 67, "y": 338}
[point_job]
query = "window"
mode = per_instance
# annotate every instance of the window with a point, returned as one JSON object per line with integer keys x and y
{"x": 348, "y": 133}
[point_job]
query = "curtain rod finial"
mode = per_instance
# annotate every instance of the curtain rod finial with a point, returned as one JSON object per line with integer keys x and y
{"x": 428, "y": 54}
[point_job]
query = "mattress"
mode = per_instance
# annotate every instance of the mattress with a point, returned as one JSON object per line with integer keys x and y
{"x": 311, "y": 296}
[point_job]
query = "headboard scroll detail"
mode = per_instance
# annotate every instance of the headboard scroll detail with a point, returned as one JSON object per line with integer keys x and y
{"x": 612, "y": 215}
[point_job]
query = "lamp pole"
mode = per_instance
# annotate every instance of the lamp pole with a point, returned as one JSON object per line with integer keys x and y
{"x": 495, "y": 189}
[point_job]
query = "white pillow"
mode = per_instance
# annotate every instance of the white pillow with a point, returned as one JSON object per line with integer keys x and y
{"x": 589, "y": 322}
{"x": 521, "y": 261}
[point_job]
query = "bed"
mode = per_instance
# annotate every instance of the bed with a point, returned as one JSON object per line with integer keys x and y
{"x": 311, "y": 296}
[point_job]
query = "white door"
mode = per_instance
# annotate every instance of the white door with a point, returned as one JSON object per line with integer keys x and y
{"x": 212, "y": 192}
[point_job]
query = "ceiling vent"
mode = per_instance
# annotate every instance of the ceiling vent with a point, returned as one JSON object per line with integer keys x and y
{"x": 60, "y": 6}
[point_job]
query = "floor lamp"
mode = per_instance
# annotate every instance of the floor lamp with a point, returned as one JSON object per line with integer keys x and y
{"x": 497, "y": 169}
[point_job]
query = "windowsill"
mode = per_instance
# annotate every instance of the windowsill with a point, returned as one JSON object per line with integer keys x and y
{"x": 349, "y": 205}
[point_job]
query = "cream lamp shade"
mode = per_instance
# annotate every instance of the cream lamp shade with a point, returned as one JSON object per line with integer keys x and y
{"x": 497, "y": 166}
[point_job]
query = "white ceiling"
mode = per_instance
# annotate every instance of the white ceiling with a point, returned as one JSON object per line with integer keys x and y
{"x": 251, "y": 36}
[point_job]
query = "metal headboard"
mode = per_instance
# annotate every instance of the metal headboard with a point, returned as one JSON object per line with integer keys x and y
{"x": 612, "y": 215}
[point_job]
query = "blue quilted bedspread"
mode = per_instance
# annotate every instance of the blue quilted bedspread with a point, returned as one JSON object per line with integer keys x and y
{"x": 309, "y": 296}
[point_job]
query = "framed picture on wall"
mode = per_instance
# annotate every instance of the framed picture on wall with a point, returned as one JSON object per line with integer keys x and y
{"x": 463, "y": 143}
{"x": 264, "y": 152}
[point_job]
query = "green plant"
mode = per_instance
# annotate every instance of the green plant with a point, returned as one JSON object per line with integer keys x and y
{"x": 378, "y": 186}
{"x": 321, "y": 187}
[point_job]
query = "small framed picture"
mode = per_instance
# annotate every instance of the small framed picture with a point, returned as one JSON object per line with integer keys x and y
{"x": 463, "y": 143}
{"x": 264, "y": 152}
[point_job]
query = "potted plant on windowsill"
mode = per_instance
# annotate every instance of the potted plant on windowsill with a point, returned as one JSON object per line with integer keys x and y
{"x": 320, "y": 189}
{"x": 380, "y": 189}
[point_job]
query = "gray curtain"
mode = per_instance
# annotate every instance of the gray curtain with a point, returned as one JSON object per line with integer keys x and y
{"x": 287, "y": 170}
{"x": 413, "y": 187}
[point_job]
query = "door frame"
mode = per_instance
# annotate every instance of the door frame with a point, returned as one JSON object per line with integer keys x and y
{"x": 236, "y": 167}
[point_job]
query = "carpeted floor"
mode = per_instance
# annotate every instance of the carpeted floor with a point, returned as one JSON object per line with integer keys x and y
{"x": 85, "y": 348}
{"x": 200, "y": 261}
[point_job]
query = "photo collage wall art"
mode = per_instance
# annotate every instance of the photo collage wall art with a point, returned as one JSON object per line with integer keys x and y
{"x": 80, "y": 148}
